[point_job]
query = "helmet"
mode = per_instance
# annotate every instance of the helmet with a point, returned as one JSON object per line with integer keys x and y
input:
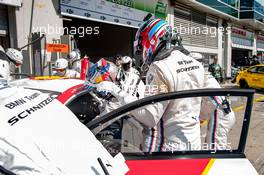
{"x": 153, "y": 36}
{"x": 102, "y": 71}
{"x": 61, "y": 64}
{"x": 126, "y": 62}
{"x": 15, "y": 56}
{"x": 74, "y": 55}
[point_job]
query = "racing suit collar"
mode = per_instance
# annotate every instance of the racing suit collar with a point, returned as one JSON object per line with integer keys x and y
{"x": 164, "y": 53}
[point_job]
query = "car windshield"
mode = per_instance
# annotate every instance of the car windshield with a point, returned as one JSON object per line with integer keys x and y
{"x": 51, "y": 93}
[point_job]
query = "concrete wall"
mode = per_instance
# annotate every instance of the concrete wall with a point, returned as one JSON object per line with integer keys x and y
{"x": 12, "y": 26}
{"x": 35, "y": 16}
{"x": 42, "y": 17}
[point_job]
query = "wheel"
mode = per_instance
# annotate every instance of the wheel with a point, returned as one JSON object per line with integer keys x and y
{"x": 243, "y": 84}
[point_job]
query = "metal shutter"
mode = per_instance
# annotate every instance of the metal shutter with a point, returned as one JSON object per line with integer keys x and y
{"x": 198, "y": 26}
{"x": 193, "y": 27}
{"x": 182, "y": 22}
{"x": 212, "y": 38}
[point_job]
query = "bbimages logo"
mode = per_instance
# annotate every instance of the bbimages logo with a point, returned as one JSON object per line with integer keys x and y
{"x": 79, "y": 31}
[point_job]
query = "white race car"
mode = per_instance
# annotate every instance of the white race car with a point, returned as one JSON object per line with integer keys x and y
{"x": 78, "y": 99}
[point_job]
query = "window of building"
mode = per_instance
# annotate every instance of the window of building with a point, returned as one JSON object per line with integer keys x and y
{"x": 233, "y": 3}
{"x": 259, "y": 6}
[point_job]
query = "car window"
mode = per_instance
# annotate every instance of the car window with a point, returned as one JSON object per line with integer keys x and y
{"x": 253, "y": 69}
{"x": 261, "y": 69}
{"x": 182, "y": 127}
{"x": 85, "y": 107}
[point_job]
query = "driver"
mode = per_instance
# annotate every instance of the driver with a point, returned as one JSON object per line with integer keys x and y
{"x": 61, "y": 69}
{"x": 39, "y": 135}
{"x": 170, "y": 125}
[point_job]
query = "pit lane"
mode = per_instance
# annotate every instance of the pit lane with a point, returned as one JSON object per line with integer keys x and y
{"x": 255, "y": 140}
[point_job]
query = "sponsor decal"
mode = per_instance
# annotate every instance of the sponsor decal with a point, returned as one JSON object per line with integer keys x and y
{"x": 28, "y": 111}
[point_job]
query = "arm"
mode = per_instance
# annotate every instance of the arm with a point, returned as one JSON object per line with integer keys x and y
{"x": 220, "y": 108}
{"x": 156, "y": 83}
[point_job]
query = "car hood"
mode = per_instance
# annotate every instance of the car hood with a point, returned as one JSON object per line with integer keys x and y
{"x": 56, "y": 85}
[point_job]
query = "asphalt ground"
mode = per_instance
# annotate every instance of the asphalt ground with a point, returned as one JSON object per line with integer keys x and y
{"x": 255, "y": 140}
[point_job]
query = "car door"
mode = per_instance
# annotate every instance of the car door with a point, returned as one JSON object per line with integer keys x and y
{"x": 259, "y": 83}
{"x": 251, "y": 76}
{"x": 188, "y": 162}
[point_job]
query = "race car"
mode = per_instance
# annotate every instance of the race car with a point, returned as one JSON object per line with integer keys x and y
{"x": 82, "y": 103}
{"x": 39, "y": 135}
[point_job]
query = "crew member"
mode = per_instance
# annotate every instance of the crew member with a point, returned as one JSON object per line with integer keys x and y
{"x": 14, "y": 57}
{"x": 218, "y": 111}
{"x": 61, "y": 69}
{"x": 75, "y": 60}
{"x": 216, "y": 70}
{"x": 127, "y": 65}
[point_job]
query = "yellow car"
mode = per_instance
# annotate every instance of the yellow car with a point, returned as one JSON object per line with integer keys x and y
{"x": 252, "y": 77}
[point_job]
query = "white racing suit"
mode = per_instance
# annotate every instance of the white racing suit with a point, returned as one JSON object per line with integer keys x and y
{"x": 76, "y": 65}
{"x": 172, "y": 125}
{"x": 131, "y": 87}
{"x": 39, "y": 135}
{"x": 133, "y": 70}
{"x": 68, "y": 73}
{"x": 221, "y": 118}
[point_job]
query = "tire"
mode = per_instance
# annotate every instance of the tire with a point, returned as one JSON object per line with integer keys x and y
{"x": 243, "y": 84}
